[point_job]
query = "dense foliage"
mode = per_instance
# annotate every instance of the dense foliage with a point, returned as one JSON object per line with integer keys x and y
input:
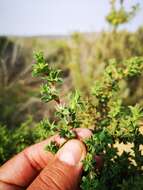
{"x": 82, "y": 59}
{"x": 111, "y": 122}
{"x": 14, "y": 140}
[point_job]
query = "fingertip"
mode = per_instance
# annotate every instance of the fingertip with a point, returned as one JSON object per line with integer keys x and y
{"x": 83, "y": 133}
{"x": 72, "y": 153}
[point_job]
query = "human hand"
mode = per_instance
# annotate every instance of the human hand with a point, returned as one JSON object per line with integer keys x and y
{"x": 36, "y": 169}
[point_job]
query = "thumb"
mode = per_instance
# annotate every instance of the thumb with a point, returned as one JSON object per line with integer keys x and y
{"x": 64, "y": 172}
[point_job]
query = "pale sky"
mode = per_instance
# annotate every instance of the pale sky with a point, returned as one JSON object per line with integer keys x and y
{"x": 54, "y": 17}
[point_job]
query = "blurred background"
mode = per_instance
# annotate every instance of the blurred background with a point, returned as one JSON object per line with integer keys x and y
{"x": 77, "y": 36}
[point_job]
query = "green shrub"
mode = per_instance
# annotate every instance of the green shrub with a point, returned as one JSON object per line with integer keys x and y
{"x": 12, "y": 141}
{"x": 5, "y": 144}
{"x": 113, "y": 124}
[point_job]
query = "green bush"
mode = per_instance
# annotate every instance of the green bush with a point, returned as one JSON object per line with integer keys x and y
{"x": 112, "y": 122}
{"x": 13, "y": 141}
{"x": 5, "y": 144}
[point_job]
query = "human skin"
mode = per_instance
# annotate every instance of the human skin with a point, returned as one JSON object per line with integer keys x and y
{"x": 36, "y": 169}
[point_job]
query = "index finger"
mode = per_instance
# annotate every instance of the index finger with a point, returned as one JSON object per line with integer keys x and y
{"x": 24, "y": 167}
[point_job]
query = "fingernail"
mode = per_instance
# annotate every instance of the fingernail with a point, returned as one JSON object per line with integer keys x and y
{"x": 72, "y": 152}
